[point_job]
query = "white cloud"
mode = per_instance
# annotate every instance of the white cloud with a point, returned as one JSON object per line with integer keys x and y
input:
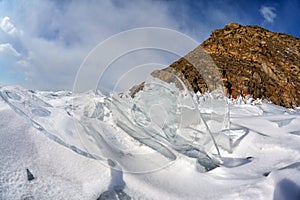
{"x": 24, "y": 63}
{"x": 269, "y": 13}
{"x": 7, "y": 26}
{"x": 9, "y": 49}
{"x": 54, "y": 37}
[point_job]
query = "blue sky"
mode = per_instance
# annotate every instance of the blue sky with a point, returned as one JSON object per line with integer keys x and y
{"x": 43, "y": 43}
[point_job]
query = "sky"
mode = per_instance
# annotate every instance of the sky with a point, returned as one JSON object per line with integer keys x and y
{"x": 43, "y": 43}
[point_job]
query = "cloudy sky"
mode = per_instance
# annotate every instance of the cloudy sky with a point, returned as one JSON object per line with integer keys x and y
{"x": 43, "y": 43}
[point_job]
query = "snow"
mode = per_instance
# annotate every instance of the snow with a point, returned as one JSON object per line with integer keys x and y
{"x": 85, "y": 146}
{"x": 22, "y": 146}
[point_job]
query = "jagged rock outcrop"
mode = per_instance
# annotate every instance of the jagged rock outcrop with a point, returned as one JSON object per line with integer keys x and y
{"x": 250, "y": 60}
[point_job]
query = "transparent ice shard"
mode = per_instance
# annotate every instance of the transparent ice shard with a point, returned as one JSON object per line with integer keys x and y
{"x": 166, "y": 117}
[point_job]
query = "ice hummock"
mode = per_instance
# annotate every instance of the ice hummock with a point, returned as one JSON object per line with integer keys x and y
{"x": 162, "y": 121}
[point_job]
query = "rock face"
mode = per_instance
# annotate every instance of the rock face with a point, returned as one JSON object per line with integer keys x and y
{"x": 250, "y": 60}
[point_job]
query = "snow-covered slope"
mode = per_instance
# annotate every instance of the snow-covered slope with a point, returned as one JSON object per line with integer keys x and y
{"x": 59, "y": 172}
{"x": 75, "y": 149}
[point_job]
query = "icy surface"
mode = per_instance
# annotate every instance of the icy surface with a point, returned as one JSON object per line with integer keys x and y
{"x": 168, "y": 120}
{"x": 48, "y": 133}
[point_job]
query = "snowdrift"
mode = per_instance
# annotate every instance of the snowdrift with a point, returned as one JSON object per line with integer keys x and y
{"x": 162, "y": 144}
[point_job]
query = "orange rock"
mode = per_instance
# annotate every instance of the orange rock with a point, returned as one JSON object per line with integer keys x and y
{"x": 252, "y": 59}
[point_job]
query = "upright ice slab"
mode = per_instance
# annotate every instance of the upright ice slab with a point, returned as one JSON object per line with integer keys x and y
{"x": 168, "y": 118}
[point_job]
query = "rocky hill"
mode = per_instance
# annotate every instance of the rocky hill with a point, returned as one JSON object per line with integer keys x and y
{"x": 249, "y": 60}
